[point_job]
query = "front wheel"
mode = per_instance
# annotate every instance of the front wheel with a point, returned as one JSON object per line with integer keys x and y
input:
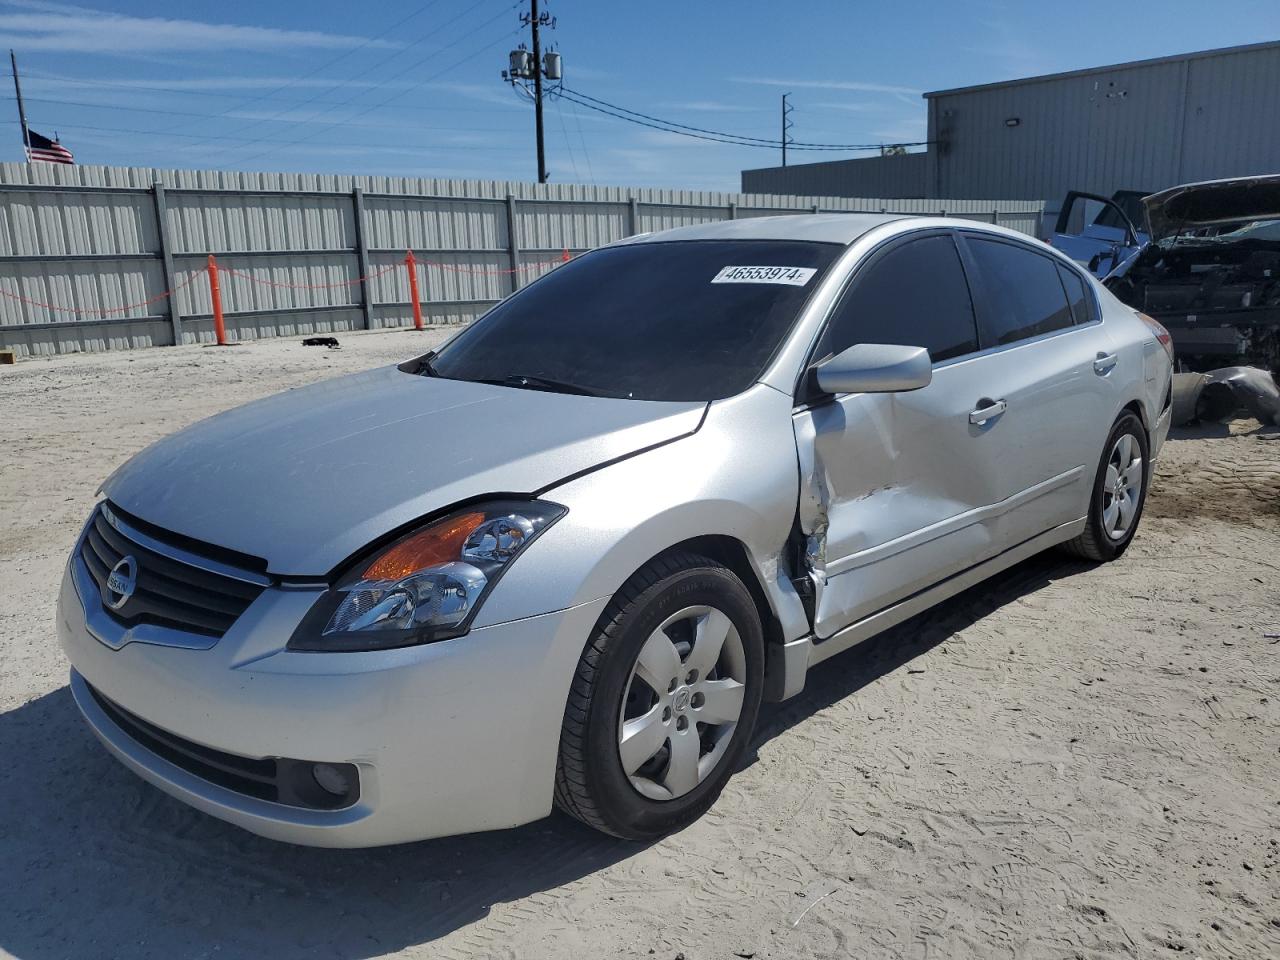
{"x": 1119, "y": 492}
{"x": 663, "y": 701}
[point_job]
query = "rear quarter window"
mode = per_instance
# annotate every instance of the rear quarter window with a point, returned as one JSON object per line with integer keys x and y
{"x": 1077, "y": 295}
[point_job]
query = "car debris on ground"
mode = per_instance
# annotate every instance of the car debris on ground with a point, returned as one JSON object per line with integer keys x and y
{"x": 1226, "y": 394}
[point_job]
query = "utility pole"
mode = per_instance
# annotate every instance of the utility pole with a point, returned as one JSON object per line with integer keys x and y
{"x": 526, "y": 65}
{"x": 22, "y": 110}
{"x": 786, "y": 125}
{"x": 537, "y": 89}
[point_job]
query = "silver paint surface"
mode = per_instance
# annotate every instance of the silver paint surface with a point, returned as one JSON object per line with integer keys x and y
{"x": 884, "y": 503}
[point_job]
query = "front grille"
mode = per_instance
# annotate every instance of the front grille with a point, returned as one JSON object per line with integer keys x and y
{"x": 277, "y": 779}
{"x": 168, "y": 592}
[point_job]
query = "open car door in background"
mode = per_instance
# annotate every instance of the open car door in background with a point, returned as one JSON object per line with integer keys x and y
{"x": 1100, "y": 233}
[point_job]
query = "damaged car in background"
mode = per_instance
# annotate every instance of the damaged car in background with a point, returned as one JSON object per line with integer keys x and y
{"x": 1211, "y": 271}
{"x": 563, "y": 559}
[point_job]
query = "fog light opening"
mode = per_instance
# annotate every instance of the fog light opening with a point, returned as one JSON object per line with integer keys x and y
{"x": 331, "y": 779}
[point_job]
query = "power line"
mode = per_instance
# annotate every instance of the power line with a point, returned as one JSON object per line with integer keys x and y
{"x": 564, "y": 132}
{"x": 139, "y": 87}
{"x": 577, "y": 121}
{"x": 400, "y": 93}
{"x": 702, "y": 133}
{"x": 251, "y": 140}
{"x": 202, "y": 116}
{"x": 328, "y": 63}
{"x": 375, "y": 67}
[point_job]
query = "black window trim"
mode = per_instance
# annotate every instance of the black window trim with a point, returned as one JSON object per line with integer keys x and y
{"x": 801, "y": 393}
{"x": 977, "y": 287}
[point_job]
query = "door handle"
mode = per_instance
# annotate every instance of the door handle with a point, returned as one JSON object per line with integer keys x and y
{"x": 989, "y": 410}
{"x": 1104, "y": 363}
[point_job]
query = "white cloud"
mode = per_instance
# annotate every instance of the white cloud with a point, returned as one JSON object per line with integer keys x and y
{"x": 714, "y": 106}
{"x": 74, "y": 29}
{"x": 858, "y": 85}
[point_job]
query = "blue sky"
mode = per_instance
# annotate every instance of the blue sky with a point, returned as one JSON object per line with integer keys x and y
{"x": 413, "y": 88}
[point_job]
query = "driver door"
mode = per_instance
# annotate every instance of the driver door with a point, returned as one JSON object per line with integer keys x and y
{"x": 899, "y": 480}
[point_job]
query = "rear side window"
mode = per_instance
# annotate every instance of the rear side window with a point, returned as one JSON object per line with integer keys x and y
{"x": 1024, "y": 296}
{"x": 1077, "y": 298}
{"x": 915, "y": 295}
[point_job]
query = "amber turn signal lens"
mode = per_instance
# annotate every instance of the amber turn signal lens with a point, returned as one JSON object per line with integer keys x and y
{"x": 439, "y": 543}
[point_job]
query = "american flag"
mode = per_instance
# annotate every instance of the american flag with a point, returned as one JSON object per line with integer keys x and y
{"x": 50, "y": 151}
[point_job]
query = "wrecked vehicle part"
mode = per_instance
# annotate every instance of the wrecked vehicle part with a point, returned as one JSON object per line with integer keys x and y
{"x": 811, "y": 519}
{"x": 1251, "y": 389}
{"x": 1186, "y": 391}
{"x": 1223, "y": 395}
{"x": 1211, "y": 272}
{"x": 1097, "y": 232}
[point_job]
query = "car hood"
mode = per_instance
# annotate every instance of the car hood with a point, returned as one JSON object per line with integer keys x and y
{"x": 309, "y": 477}
{"x": 1212, "y": 202}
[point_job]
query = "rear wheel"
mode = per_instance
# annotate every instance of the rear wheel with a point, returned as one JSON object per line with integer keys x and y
{"x": 663, "y": 701}
{"x": 1119, "y": 492}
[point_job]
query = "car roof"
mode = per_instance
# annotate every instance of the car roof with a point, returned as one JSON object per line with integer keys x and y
{"x": 843, "y": 228}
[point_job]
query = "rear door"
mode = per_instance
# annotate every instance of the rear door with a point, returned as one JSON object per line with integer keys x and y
{"x": 1048, "y": 358}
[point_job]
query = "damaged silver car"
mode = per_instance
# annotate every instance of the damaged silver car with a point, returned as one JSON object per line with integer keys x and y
{"x": 565, "y": 558}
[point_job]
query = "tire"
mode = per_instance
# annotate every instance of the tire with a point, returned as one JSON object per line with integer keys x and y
{"x": 1102, "y": 539}
{"x": 648, "y": 638}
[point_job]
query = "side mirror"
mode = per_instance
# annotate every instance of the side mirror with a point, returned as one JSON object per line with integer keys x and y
{"x": 875, "y": 368}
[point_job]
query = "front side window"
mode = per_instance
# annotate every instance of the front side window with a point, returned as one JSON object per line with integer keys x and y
{"x": 915, "y": 295}
{"x": 678, "y": 320}
{"x": 1024, "y": 296}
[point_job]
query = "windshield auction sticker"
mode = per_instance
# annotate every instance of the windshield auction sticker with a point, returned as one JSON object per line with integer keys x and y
{"x": 791, "y": 276}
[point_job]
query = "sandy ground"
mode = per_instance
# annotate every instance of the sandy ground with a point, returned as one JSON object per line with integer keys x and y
{"x": 1073, "y": 761}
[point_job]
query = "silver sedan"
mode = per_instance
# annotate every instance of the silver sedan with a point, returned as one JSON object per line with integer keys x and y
{"x": 565, "y": 558}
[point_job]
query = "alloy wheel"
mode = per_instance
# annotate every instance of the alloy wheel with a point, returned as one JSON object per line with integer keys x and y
{"x": 682, "y": 702}
{"x": 1122, "y": 487}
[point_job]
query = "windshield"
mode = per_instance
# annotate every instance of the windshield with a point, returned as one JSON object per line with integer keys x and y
{"x": 683, "y": 320}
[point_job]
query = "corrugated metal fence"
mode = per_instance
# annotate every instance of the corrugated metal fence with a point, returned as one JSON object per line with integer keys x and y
{"x": 93, "y": 258}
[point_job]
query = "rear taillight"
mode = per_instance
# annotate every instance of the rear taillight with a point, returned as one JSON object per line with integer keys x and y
{"x": 1161, "y": 333}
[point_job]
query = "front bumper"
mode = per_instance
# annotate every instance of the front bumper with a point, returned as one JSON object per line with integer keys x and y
{"x": 450, "y": 737}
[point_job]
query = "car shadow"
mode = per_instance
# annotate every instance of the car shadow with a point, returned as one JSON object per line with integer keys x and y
{"x": 847, "y": 673}
{"x": 98, "y": 863}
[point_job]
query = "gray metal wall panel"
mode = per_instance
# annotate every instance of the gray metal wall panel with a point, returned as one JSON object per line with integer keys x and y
{"x": 212, "y": 223}
{"x": 892, "y": 176}
{"x": 1099, "y": 133}
{"x": 572, "y": 226}
{"x": 278, "y": 283}
{"x": 200, "y": 329}
{"x": 51, "y": 224}
{"x": 285, "y": 246}
{"x": 667, "y": 217}
{"x": 88, "y": 289}
{"x": 47, "y": 341}
{"x": 442, "y": 277}
{"x": 434, "y": 224}
{"x": 1140, "y": 127}
{"x": 1231, "y": 122}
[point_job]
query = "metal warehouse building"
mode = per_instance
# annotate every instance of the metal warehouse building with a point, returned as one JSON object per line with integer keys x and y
{"x": 1143, "y": 126}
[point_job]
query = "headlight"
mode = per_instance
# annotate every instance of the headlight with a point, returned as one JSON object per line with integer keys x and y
{"x": 428, "y": 585}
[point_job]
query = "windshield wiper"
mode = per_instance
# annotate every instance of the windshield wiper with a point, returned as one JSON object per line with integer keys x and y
{"x": 522, "y": 382}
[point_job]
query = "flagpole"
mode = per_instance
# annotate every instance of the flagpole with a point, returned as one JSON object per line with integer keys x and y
{"x": 22, "y": 111}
